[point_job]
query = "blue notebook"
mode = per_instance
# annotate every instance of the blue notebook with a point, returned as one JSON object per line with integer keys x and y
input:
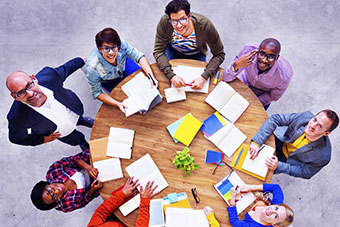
{"x": 214, "y": 157}
{"x": 212, "y": 124}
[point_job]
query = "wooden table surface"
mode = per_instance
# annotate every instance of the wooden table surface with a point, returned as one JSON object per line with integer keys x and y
{"x": 151, "y": 136}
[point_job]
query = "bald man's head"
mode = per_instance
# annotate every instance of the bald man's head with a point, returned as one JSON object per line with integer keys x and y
{"x": 268, "y": 53}
{"x": 273, "y": 43}
{"x": 24, "y": 88}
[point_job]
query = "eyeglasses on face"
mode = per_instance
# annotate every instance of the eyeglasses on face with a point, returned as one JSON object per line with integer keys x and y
{"x": 22, "y": 93}
{"x": 107, "y": 49}
{"x": 51, "y": 193}
{"x": 270, "y": 57}
{"x": 195, "y": 195}
{"x": 182, "y": 21}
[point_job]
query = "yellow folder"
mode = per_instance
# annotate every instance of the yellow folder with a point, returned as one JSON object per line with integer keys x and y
{"x": 187, "y": 129}
{"x": 98, "y": 149}
{"x": 181, "y": 204}
{"x": 239, "y": 158}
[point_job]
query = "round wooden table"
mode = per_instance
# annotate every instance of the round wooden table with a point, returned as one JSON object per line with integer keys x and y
{"x": 151, "y": 136}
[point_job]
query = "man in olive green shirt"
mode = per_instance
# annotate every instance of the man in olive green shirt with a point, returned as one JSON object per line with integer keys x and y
{"x": 182, "y": 34}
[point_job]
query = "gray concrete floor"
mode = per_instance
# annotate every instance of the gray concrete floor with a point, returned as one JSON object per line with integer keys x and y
{"x": 37, "y": 33}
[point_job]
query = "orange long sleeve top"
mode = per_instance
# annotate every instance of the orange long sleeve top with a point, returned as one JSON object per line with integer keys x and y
{"x": 108, "y": 206}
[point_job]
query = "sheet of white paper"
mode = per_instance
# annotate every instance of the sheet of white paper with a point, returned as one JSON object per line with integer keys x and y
{"x": 258, "y": 165}
{"x": 190, "y": 73}
{"x": 156, "y": 213}
{"x": 135, "y": 85}
{"x": 220, "y": 95}
{"x": 185, "y": 217}
{"x": 120, "y": 142}
{"x": 130, "y": 205}
{"x": 174, "y": 94}
{"x": 109, "y": 169}
{"x": 146, "y": 170}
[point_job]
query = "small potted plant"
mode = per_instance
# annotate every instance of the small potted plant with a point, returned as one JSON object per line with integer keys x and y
{"x": 184, "y": 161}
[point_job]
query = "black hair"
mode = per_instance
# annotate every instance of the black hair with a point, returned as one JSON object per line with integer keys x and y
{"x": 176, "y": 5}
{"x": 108, "y": 35}
{"x": 36, "y": 197}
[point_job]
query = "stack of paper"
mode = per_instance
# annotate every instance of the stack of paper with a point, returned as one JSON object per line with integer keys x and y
{"x": 109, "y": 169}
{"x": 181, "y": 200}
{"x": 146, "y": 170}
{"x": 227, "y": 101}
{"x": 185, "y": 217}
{"x": 187, "y": 130}
{"x": 224, "y": 186}
{"x": 120, "y": 142}
{"x": 189, "y": 74}
{"x": 174, "y": 126}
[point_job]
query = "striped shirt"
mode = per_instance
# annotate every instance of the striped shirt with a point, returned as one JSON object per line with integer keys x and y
{"x": 186, "y": 45}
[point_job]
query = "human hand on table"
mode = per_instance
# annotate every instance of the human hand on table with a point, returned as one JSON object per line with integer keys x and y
{"x": 121, "y": 106}
{"x": 93, "y": 172}
{"x": 147, "y": 192}
{"x": 245, "y": 60}
{"x": 254, "y": 150}
{"x": 177, "y": 81}
{"x": 130, "y": 186}
{"x": 272, "y": 162}
{"x": 197, "y": 83}
{"x": 96, "y": 185}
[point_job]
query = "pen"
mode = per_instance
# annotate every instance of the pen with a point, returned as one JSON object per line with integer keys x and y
{"x": 188, "y": 84}
{"x": 261, "y": 147}
{"x": 216, "y": 78}
{"x": 150, "y": 77}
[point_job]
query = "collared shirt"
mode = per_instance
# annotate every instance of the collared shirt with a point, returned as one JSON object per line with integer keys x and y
{"x": 268, "y": 86}
{"x": 98, "y": 69}
{"x": 289, "y": 148}
{"x": 60, "y": 172}
{"x": 65, "y": 119}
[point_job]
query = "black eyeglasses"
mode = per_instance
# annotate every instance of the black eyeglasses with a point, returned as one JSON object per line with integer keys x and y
{"x": 195, "y": 195}
{"x": 51, "y": 193}
{"x": 22, "y": 93}
{"x": 182, "y": 21}
{"x": 107, "y": 49}
{"x": 213, "y": 173}
{"x": 270, "y": 57}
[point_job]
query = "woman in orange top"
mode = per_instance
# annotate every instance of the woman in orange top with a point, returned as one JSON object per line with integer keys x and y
{"x": 108, "y": 206}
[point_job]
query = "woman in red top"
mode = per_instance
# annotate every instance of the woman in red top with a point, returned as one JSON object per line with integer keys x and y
{"x": 108, "y": 206}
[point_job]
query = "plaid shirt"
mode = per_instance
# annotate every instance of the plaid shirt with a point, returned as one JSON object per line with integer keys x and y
{"x": 63, "y": 170}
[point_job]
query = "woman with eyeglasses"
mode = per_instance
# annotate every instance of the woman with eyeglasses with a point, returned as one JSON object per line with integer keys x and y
{"x": 70, "y": 184}
{"x": 113, "y": 60}
{"x": 265, "y": 211}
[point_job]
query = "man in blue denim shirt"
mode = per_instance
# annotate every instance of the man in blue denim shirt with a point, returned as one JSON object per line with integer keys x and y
{"x": 109, "y": 63}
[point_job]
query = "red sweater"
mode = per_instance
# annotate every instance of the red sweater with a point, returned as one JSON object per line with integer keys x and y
{"x": 108, "y": 206}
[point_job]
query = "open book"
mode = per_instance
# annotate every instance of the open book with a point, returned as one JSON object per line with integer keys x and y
{"x": 258, "y": 165}
{"x": 173, "y": 94}
{"x": 120, "y": 142}
{"x": 142, "y": 97}
{"x": 190, "y": 73}
{"x": 228, "y": 138}
{"x": 227, "y": 101}
{"x": 223, "y": 187}
{"x": 109, "y": 169}
{"x": 146, "y": 170}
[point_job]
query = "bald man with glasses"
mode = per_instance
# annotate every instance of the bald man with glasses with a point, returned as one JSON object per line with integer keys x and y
{"x": 43, "y": 109}
{"x": 262, "y": 69}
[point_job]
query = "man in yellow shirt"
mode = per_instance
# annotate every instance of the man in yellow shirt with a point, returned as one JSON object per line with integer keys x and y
{"x": 301, "y": 140}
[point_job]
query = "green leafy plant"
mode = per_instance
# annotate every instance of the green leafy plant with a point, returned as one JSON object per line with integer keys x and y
{"x": 184, "y": 161}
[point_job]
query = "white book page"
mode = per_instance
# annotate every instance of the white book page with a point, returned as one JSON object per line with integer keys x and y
{"x": 220, "y": 95}
{"x": 174, "y": 94}
{"x": 156, "y": 213}
{"x": 185, "y": 217}
{"x": 235, "y": 107}
{"x": 136, "y": 85}
{"x": 109, "y": 169}
{"x": 120, "y": 142}
{"x": 228, "y": 140}
{"x": 258, "y": 165}
{"x": 130, "y": 205}
{"x": 190, "y": 73}
{"x": 146, "y": 170}
{"x": 140, "y": 102}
